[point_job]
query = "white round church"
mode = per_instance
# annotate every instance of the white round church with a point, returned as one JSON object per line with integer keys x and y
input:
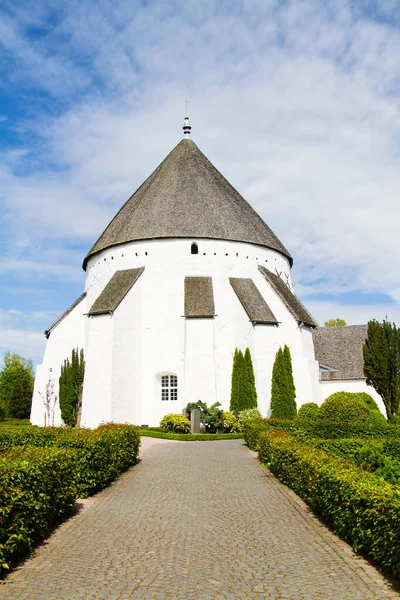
{"x": 185, "y": 272}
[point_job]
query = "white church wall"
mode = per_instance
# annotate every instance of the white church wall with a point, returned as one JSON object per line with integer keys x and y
{"x": 147, "y": 336}
{"x": 200, "y": 371}
{"x": 163, "y": 336}
{"x": 66, "y": 336}
{"x": 127, "y": 355}
{"x": 357, "y": 385}
{"x": 97, "y": 389}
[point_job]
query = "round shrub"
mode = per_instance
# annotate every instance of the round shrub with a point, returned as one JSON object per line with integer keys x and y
{"x": 309, "y": 410}
{"x": 231, "y": 423}
{"x": 175, "y": 423}
{"x": 350, "y": 407}
{"x": 249, "y": 413}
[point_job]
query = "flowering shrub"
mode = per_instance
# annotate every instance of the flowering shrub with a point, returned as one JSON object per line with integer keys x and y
{"x": 231, "y": 423}
{"x": 249, "y": 413}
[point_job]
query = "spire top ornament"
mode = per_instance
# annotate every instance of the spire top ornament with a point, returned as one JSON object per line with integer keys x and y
{"x": 186, "y": 125}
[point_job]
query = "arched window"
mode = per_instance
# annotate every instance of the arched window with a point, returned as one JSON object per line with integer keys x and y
{"x": 169, "y": 387}
{"x": 194, "y": 248}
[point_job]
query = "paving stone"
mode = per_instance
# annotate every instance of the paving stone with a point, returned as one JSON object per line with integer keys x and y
{"x": 195, "y": 521}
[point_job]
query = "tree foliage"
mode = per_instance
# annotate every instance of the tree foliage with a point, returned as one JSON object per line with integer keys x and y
{"x": 382, "y": 364}
{"x": 16, "y": 386}
{"x": 283, "y": 391}
{"x": 243, "y": 389}
{"x": 335, "y": 323}
{"x": 70, "y": 387}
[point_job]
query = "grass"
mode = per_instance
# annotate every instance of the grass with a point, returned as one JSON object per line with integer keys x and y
{"x": 189, "y": 437}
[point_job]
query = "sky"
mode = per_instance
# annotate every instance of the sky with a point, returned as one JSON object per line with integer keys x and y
{"x": 295, "y": 102}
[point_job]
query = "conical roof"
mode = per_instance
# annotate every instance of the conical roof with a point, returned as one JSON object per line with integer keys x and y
{"x": 186, "y": 197}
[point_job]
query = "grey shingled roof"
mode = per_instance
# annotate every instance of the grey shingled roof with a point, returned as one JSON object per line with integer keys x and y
{"x": 115, "y": 291}
{"x": 186, "y": 197}
{"x": 65, "y": 314}
{"x": 341, "y": 348}
{"x": 292, "y": 303}
{"x": 199, "y": 297}
{"x": 252, "y": 301}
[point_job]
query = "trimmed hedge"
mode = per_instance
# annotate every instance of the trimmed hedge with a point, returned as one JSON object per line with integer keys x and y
{"x": 331, "y": 430}
{"x": 362, "y": 509}
{"x": 43, "y": 471}
{"x": 103, "y": 453}
{"x": 37, "y": 487}
{"x": 252, "y": 428}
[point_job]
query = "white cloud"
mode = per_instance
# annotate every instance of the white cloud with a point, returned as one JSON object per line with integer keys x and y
{"x": 296, "y": 103}
{"x": 29, "y": 344}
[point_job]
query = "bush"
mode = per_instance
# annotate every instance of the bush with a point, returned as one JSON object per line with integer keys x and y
{"x": 352, "y": 408}
{"x": 252, "y": 428}
{"x": 175, "y": 423}
{"x": 37, "y": 487}
{"x": 361, "y": 508}
{"x": 309, "y": 410}
{"x": 103, "y": 454}
{"x": 231, "y": 423}
{"x": 249, "y": 413}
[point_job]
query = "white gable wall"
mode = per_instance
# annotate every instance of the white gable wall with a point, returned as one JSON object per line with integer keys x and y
{"x": 67, "y": 335}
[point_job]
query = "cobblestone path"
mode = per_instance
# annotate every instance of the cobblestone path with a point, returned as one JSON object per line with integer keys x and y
{"x": 195, "y": 521}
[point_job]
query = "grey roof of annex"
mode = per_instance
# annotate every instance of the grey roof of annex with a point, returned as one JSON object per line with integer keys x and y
{"x": 341, "y": 348}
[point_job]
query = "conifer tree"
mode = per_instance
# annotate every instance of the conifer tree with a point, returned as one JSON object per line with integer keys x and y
{"x": 249, "y": 398}
{"x": 382, "y": 364}
{"x": 290, "y": 387}
{"x": 70, "y": 387}
{"x": 283, "y": 391}
{"x": 235, "y": 383}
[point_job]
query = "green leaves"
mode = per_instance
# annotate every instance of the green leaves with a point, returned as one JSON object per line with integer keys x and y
{"x": 382, "y": 364}
{"x": 243, "y": 385}
{"x": 16, "y": 386}
{"x": 175, "y": 423}
{"x": 70, "y": 387}
{"x": 360, "y": 507}
{"x": 43, "y": 471}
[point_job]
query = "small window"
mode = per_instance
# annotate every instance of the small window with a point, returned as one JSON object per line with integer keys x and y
{"x": 169, "y": 387}
{"x": 194, "y": 248}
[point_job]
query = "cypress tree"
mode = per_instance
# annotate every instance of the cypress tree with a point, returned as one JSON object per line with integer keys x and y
{"x": 290, "y": 387}
{"x": 249, "y": 398}
{"x": 235, "y": 382}
{"x": 70, "y": 387}
{"x": 283, "y": 392}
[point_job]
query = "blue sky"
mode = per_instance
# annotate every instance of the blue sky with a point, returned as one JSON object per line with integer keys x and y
{"x": 295, "y": 102}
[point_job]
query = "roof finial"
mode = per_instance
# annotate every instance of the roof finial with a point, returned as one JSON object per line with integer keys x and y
{"x": 186, "y": 125}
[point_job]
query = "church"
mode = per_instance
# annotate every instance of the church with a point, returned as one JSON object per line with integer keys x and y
{"x": 185, "y": 273}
